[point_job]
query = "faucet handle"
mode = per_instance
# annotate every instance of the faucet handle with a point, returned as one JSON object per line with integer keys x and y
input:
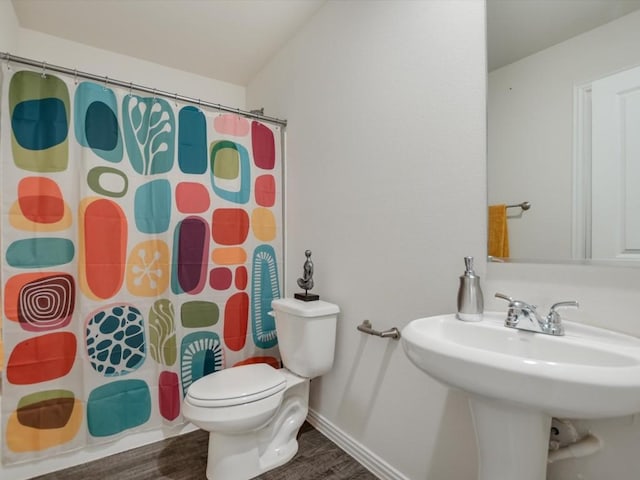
{"x": 570, "y": 303}
{"x": 515, "y": 303}
{"x": 554, "y": 316}
{"x": 504, "y": 297}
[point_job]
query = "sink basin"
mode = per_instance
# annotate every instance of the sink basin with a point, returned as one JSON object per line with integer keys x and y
{"x": 517, "y": 380}
{"x": 587, "y": 373}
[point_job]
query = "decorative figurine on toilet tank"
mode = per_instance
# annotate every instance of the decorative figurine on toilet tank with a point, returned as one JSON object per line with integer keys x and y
{"x": 306, "y": 281}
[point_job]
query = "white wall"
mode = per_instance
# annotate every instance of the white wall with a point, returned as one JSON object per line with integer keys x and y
{"x": 53, "y": 50}
{"x": 386, "y": 185}
{"x": 58, "y": 51}
{"x": 8, "y": 27}
{"x": 530, "y": 131}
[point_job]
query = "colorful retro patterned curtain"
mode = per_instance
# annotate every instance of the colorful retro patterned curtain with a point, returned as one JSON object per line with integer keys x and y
{"x": 141, "y": 245}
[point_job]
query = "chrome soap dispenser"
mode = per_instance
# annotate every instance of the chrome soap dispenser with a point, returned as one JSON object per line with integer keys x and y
{"x": 470, "y": 301}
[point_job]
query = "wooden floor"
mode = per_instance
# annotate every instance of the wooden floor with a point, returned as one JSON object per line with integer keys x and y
{"x": 185, "y": 458}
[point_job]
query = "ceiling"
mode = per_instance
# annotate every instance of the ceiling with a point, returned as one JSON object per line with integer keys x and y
{"x": 231, "y": 40}
{"x": 518, "y": 28}
{"x": 228, "y": 40}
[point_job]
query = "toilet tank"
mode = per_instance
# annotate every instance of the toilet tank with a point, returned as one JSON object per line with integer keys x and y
{"x": 306, "y": 335}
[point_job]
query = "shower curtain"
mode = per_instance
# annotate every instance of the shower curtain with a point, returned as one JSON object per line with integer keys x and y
{"x": 141, "y": 245}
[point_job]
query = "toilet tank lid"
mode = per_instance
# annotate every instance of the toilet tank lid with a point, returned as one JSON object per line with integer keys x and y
{"x": 238, "y": 384}
{"x": 316, "y": 308}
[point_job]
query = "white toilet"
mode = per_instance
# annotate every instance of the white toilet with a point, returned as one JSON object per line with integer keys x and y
{"x": 253, "y": 412}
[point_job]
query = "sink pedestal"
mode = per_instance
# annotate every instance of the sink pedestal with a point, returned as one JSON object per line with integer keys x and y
{"x": 512, "y": 441}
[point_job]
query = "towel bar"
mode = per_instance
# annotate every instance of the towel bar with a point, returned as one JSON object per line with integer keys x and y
{"x": 365, "y": 327}
{"x": 523, "y": 205}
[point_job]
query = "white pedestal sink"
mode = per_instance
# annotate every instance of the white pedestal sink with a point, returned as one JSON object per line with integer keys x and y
{"x": 517, "y": 380}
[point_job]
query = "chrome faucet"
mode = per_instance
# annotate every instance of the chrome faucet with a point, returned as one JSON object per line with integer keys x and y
{"x": 523, "y": 316}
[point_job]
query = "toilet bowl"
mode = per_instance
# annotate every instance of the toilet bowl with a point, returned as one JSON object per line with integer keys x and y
{"x": 253, "y": 412}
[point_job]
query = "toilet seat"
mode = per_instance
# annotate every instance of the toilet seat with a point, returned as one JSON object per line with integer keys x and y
{"x": 236, "y": 386}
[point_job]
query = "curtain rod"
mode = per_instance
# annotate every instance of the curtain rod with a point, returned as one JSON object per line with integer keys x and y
{"x": 140, "y": 88}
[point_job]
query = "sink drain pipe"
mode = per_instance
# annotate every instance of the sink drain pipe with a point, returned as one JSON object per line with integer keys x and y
{"x": 583, "y": 447}
{"x": 565, "y": 441}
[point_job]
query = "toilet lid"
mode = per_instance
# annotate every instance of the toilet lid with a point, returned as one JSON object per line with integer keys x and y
{"x": 237, "y": 385}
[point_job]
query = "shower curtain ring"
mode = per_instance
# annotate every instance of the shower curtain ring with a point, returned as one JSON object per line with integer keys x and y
{"x": 175, "y": 98}
{"x": 106, "y": 82}
{"x": 131, "y": 89}
{"x": 75, "y": 76}
{"x": 44, "y": 69}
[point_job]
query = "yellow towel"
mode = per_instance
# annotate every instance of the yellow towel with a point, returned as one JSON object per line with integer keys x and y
{"x": 498, "y": 234}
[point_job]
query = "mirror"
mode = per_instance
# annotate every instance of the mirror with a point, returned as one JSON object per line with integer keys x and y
{"x": 545, "y": 59}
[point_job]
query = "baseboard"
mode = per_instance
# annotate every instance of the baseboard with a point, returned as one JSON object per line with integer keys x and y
{"x": 359, "y": 452}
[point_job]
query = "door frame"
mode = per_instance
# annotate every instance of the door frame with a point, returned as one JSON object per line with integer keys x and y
{"x": 581, "y": 209}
